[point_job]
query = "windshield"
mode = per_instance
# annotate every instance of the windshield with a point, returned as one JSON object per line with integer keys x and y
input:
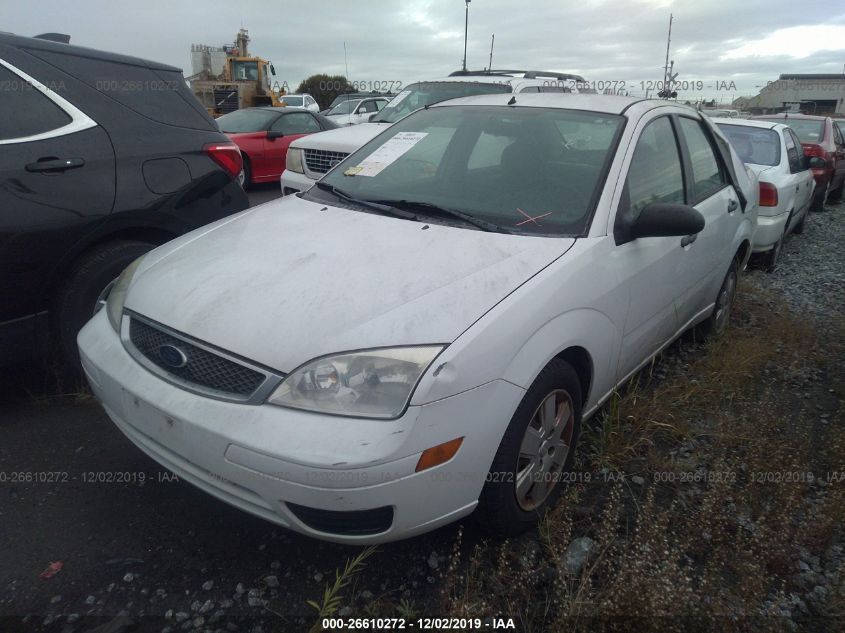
{"x": 241, "y": 121}
{"x": 291, "y": 100}
{"x": 245, "y": 70}
{"x": 425, "y": 93}
{"x": 808, "y": 130}
{"x": 343, "y": 108}
{"x": 525, "y": 170}
{"x": 753, "y": 144}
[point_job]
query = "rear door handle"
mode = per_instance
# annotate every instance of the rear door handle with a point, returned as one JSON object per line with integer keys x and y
{"x": 689, "y": 239}
{"x": 732, "y": 206}
{"x": 52, "y": 164}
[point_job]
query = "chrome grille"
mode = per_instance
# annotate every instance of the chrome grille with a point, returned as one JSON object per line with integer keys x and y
{"x": 320, "y": 161}
{"x": 202, "y": 368}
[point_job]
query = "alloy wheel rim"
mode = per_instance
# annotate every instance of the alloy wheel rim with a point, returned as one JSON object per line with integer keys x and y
{"x": 545, "y": 447}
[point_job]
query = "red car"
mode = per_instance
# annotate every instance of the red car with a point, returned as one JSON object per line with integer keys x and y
{"x": 264, "y": 134}
{"x": 824, "y": 145}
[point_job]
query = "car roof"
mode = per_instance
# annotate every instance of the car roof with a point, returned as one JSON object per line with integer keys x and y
{"x": 34, "y": 43}
{"x": 279, "y": 108}
{"x": 609, "y": 104}
{"x": 767, "y": 125}
{"x": 790, "y": 115}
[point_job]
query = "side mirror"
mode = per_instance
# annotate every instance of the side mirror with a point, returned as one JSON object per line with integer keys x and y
{"x": 666, "y": 220}
{"x": 273, "y": 134}
{"x": 370, "y": 118}
{"x": 817, "y": 162}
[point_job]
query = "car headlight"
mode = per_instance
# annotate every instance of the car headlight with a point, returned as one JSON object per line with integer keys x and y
{"x": 117, "y": 295}
{"x": 293, "y": 162}
{"x": 374, "y": 383}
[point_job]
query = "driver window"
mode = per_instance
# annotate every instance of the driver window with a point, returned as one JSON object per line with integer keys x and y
{"x": 655, "y": 173}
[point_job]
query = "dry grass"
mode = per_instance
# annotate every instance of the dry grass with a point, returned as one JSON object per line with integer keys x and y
{"x": 711, "y": 541}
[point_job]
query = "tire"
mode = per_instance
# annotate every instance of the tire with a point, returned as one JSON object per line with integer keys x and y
{"x": 818, "y": 201}
{"x": 773, "y": 256}
{"x": 504, "y": 507}
{"x": 86, "y": 288}
{"x": 247, "y": 173}
{"x": 836, "y": 194}
{"x": 717, "y": 322}
{"x": 799, "y": 228}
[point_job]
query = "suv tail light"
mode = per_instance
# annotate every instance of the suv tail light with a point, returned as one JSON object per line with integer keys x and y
{"x": 768, "y": 195}
{"x": 227, "y": 155}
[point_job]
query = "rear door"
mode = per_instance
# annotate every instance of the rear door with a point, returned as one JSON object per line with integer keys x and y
{"x": 57, "y": 180}
{"x": 709, "y": 191}
{"x": 293, "y": 125}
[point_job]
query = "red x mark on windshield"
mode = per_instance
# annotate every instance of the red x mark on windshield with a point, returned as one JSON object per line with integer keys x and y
{"x": 530, "y": 218}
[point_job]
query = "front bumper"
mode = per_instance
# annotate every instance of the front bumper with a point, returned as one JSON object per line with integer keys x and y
{"x": 272, "y": 461}
{"x": 769, "y": 230}
{"x": 293, "y": 182}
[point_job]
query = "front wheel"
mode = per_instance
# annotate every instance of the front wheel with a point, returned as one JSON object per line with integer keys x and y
{"x": 535, "y": 454}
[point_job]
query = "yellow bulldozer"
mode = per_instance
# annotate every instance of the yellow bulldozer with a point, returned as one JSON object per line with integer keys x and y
{"x": 226, "y": 78}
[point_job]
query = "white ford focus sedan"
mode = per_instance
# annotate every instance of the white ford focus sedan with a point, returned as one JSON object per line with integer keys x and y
{"x": 421, "y": 334}
{"x": 773, "y": 152}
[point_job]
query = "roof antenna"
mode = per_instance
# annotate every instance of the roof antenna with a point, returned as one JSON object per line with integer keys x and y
{"x": 512, "y": 101}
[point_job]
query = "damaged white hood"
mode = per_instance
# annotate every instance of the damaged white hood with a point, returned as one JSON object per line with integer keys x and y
{"x": 293, "y": 280}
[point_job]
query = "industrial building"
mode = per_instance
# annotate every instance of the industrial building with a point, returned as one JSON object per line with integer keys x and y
{"x": 808, "y": 93}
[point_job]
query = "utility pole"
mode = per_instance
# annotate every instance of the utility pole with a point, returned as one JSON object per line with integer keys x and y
{"x": 345, "y": 62}
{"x": 466, "y": 31}
{"x": 492, "y": 41}
{"x": 666, "y": 65}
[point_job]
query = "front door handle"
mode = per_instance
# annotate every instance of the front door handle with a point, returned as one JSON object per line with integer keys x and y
{"x": 689, "y": 239}
{"x": 52, "y": 164}
{"x": 732, "y": 206}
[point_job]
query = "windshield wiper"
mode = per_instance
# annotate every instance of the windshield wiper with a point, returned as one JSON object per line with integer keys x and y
{"x": 370, "y": 204}
{"x": 434, "y": 209}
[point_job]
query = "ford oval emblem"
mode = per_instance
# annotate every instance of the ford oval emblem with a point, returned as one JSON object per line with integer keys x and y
{"x": 172, "y": 356}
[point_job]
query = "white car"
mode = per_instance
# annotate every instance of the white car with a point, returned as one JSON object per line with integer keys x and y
{"x": 356, "y": 111}
{"x": 304, "y": 100}
{"x": 774, "y": 153}
{"x": 422, "y": 333}
{"x": 308, "y": 160}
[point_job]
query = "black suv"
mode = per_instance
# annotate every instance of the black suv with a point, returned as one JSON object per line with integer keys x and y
{"x": 102, "y": 157}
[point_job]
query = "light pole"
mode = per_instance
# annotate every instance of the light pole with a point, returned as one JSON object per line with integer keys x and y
{"x": 466, "y": 31}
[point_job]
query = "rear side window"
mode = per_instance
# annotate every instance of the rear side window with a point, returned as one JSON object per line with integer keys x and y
{"x": 655, "y": 174}
{"x": 706, "y": 173}
{"x": 25, "y": 110}
{"x": 159, "y": 95}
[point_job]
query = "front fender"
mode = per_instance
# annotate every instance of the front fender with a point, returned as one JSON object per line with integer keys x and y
{"x": 584, "y": 328}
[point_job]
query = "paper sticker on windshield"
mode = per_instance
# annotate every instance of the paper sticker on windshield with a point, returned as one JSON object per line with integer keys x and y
{"x": 387, "y": 154}
{"x": 353, "y": 171}
{"x": 399, "y": 98}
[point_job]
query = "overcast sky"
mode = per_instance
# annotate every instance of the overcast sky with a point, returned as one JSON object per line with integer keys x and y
{"x": 744, "y": 42}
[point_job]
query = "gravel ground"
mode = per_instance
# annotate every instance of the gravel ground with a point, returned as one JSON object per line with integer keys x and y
{"x": 811, "y": 273}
